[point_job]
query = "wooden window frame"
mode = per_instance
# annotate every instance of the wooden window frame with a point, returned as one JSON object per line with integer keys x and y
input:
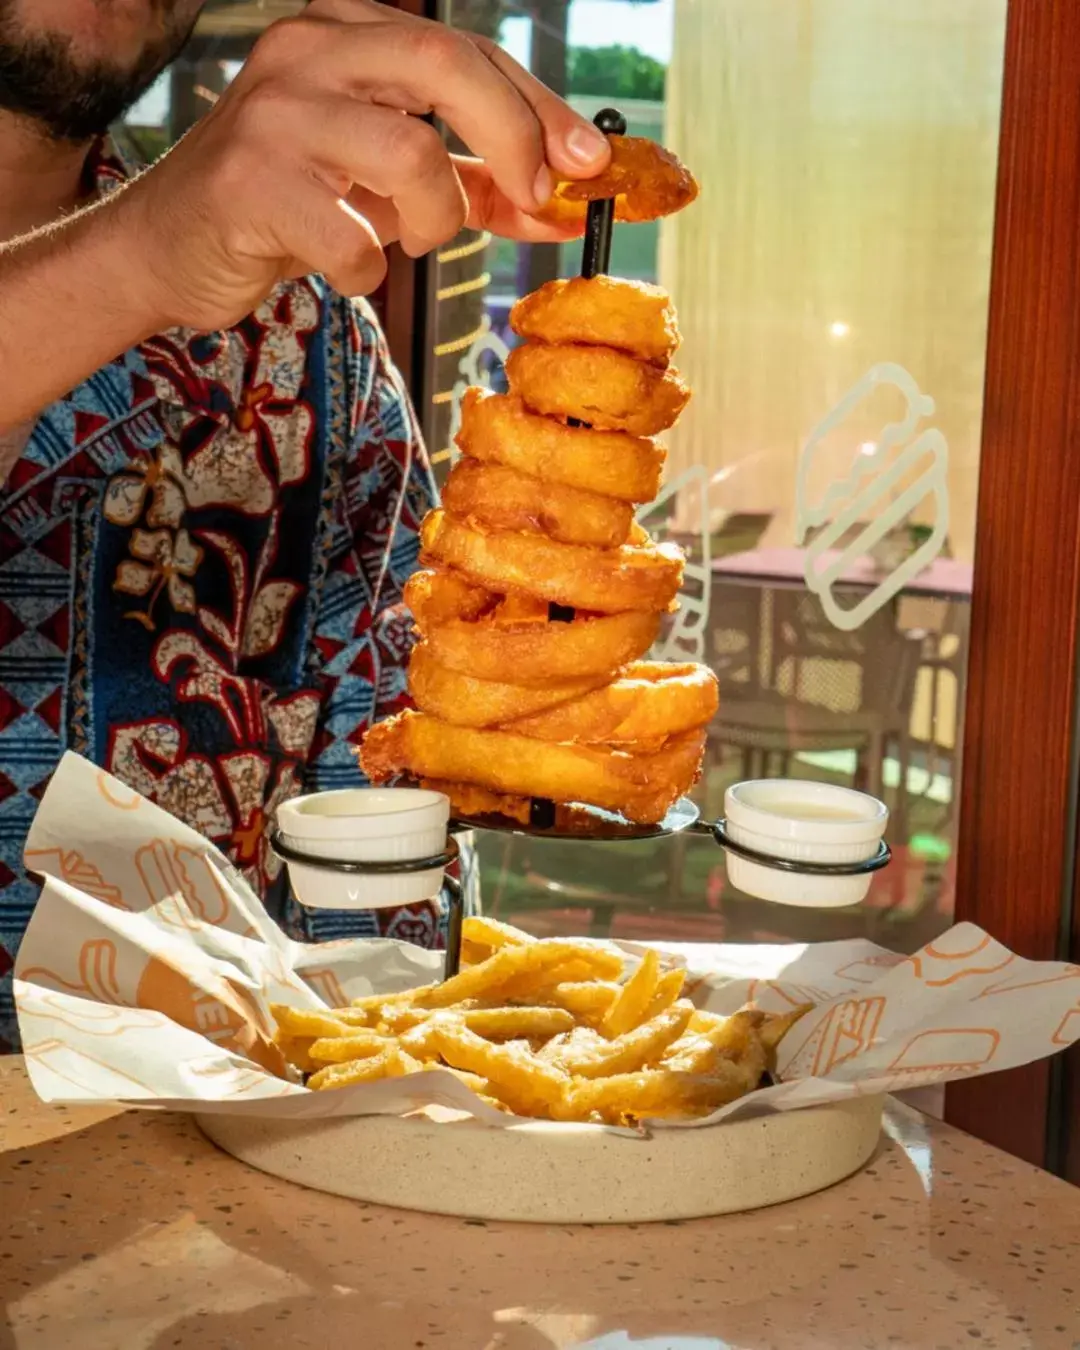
{"x": 1018, "y": 817}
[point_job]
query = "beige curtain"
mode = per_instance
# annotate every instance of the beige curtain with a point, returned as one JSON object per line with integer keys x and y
{"x": 847, "y": 151}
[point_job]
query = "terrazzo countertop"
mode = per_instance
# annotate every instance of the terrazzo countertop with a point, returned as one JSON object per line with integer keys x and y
{"x": 128, "y": 1231}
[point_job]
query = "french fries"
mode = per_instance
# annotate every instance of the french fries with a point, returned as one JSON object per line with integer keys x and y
{"x": 548, "y": 1030}
{"x": 636, "y": 995}
{"x": 631, "y": 1051}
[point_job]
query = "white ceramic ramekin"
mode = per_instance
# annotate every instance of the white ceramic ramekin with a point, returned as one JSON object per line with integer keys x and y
{"x": 802, "y": 822}
{"x": 364, "y": 825}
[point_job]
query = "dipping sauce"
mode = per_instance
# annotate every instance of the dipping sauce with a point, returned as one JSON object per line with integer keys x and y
{"x": 804, "y": 810}
{"x": 798, "y": 821}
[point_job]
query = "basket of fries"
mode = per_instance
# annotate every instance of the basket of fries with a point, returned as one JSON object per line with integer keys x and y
{"x": 557, "y": 1080}
{"x": 558, "y": 1037}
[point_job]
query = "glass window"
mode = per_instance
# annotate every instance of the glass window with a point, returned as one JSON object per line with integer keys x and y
{"x": 225, "y": 34}
{"x": 847, "y": 152}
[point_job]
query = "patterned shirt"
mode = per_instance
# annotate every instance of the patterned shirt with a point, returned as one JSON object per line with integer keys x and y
{"x": 202, "y": 554}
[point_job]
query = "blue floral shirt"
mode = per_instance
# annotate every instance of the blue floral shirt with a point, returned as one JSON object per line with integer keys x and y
{"x": 202, "y": 555}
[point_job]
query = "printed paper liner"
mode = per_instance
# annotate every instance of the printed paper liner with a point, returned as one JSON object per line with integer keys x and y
{"x": 147, "y": 971}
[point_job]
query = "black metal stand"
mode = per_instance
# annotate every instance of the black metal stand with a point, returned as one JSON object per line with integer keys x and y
{"x": 718, "y": 830}
{"x": 596, "y": 253}
{"x": 390, "y": 869}
{"x": 590, "y": 825}
{"x": 454, "y": 921}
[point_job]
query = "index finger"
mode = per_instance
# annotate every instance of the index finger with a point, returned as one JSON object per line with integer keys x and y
{"x": 490, "y": 210}
{"x": 572, "y": 144}
{"x": 504, "y": 114}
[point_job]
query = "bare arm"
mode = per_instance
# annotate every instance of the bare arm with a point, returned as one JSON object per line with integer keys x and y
{"x": 71, "y": 300}
{"x": 305, "y": 164}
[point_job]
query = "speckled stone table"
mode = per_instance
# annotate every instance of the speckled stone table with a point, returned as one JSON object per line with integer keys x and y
{"x": 130, "y": 1232}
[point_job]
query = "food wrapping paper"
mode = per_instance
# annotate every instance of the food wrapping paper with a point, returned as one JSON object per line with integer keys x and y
{"x": 149, "y": 966}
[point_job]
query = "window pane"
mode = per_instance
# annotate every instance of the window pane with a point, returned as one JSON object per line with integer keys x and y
{"x": 225, "y": 34}
{"x": 847, "y": 152}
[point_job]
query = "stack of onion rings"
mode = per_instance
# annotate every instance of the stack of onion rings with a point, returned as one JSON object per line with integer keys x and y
{"x": 542, "y": 593}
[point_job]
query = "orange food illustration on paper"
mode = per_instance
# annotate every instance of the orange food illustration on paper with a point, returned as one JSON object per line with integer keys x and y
{"x": 70, "y": 866}
{"x": 947, "y": 1050}
{"x": 223, "y": 1012}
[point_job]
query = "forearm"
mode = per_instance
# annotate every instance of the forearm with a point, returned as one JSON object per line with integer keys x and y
{"x": 71, "y": 299}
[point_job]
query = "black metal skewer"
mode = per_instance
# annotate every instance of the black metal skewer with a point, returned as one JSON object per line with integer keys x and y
{"x": 596, "y": 253}
{"x": 595, "y": 259}
{"x": 455, "y": 919}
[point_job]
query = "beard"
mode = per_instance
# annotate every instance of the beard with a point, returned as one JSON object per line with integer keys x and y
{"x": 43, "y": 80}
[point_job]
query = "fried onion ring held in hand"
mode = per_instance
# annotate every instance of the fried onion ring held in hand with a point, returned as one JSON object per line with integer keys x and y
{"x": 601, "y": 311}
{"x": 504, "y": 499}
{"x": 597, "y": 385}
{"x": 646, "y": 181}
{"x": 605, "y": 581}
{"x": 499, "y": 429}
{"x": 507, "y": 636}
{"x": 650, "y": 701}
{"x": 469, "y": 702}
{"x": 640, "y": 787}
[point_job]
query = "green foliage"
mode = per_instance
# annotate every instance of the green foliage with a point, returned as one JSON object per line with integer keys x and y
{"x": 149, "y": 142}
{"x": 478, "y": 16}
{"x": 614, "y": 72}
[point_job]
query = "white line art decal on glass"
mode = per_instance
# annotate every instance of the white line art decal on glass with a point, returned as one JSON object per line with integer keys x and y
{"x": 684, "y": 640}
{"x": 853, "y": 501}
{"x": 474, "y": 372}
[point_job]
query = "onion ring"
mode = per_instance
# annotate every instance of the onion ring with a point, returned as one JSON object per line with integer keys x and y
{"x": 597, "y": 385}
{"x": 499, "y": 429}
{"x": 508, "y": 635}
{"x": 601, "y": 311}
{"x": 650, "y": 701}
{"x": 439, "y": 597}
{"x": 640, "y": 787}
{"x": 468, "y": 702}
{"x": 604, "y": 581}
{"x": 504, "y": 499}
{"x": 645, "y": 180}
{"x": 466, "y": 799}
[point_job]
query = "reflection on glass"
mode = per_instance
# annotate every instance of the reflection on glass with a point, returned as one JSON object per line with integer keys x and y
{"x": 847, "y": 151}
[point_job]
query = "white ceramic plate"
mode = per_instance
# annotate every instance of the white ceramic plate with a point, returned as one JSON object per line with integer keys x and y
{"x": 543, "y": 1173}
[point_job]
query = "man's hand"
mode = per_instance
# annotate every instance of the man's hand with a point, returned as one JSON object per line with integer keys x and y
{"x": 317, "y": 156}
